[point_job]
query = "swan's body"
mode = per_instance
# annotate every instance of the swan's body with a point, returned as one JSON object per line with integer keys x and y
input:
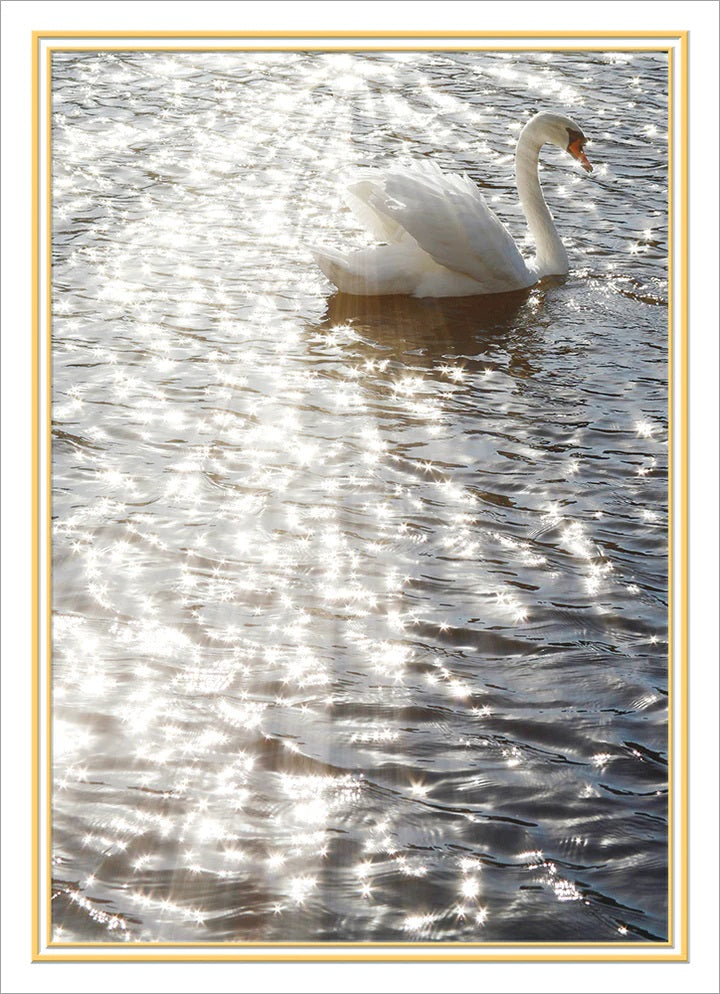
{"x": 440, "y": 238}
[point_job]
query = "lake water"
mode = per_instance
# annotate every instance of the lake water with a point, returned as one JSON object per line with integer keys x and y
{"x": 359, "y": 605}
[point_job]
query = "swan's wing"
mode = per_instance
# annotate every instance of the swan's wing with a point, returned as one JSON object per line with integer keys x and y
{"x": 449, "y": 219}
{"x": 357, "y": 197}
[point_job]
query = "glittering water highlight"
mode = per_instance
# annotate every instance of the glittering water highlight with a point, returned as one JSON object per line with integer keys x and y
{"x": 359, "y": 606}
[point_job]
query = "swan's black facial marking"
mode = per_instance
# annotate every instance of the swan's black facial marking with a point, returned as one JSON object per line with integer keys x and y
{"x": 576, "y": 141}
{"x": 575, "y": 136}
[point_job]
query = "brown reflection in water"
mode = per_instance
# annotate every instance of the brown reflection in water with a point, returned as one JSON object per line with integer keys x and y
{"x": 433, "y": 328}
{"x": 431, "y": 325}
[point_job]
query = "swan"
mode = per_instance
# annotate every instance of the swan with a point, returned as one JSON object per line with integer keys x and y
{"x": 439, "y": 237}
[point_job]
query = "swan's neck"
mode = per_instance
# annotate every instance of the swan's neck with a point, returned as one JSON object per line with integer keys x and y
{"x": 551, "y": 255}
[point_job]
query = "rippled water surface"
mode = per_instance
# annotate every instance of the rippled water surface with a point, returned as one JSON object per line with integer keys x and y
{"x": 359, "y": 605}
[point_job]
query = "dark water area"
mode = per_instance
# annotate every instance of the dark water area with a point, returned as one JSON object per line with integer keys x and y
{"x": 360, "y": 624}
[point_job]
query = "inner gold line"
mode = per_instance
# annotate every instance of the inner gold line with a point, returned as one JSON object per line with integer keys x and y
{"x": 362, "y": 34}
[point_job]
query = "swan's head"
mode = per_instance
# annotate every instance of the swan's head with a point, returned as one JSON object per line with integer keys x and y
{"x": 561, "y": 131}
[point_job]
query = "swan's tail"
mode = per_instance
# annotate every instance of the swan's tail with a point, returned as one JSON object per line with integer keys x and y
{"x": 382, "y": 269}
{"x": 336, "y": 267}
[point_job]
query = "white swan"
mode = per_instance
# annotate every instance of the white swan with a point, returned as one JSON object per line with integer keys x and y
{"x": 440, "y": 237}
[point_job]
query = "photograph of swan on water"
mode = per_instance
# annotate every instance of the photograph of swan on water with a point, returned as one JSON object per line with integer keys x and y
{"x": 360, "y": 497}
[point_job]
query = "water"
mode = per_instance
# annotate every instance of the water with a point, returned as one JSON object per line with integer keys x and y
{"x": 359, "y": 606}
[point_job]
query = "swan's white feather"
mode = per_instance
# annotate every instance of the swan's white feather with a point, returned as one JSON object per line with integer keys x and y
{"x": 377, "y": 270}
{"x": 443, "y": 238}
{"x": 382, "y": 227}
{"x": 449, "y": 219}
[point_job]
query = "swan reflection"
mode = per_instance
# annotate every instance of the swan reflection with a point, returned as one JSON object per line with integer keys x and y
{"x": 448, "y": 335}
{"x": 433, "y": 322}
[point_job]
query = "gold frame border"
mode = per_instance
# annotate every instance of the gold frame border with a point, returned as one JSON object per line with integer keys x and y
{"x": 675, "y": 644}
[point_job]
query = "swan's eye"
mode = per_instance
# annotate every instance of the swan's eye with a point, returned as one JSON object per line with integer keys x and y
{"x": 575, "y": 138}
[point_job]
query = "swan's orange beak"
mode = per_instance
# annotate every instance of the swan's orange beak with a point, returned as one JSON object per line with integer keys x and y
{"x": 576, "y": 151}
